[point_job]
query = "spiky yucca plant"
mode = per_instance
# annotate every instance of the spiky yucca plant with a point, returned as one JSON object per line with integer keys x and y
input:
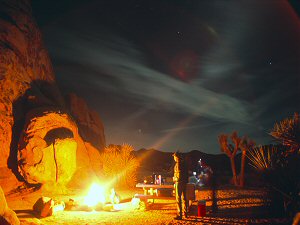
{"x": 264, "y": 157}
{"x": 119, "y": 165}
{"x": 266, "y": 160}
{"x": 281, "y": 172}
{"x": 281, "y": 168}
{"x": 287, "y": 132}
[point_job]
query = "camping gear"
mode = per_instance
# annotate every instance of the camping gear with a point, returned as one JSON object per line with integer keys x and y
{"x": 201, "y": 208}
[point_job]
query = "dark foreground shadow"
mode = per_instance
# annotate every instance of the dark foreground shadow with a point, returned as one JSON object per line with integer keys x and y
{"x": 25, "y": 213}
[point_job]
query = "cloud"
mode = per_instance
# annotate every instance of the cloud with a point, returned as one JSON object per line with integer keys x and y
{"x": 122, "y": 61}
{"x": 237, "y": 88}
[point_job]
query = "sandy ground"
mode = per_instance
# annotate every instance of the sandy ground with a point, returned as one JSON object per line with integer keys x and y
{"x": 234, "y": 206}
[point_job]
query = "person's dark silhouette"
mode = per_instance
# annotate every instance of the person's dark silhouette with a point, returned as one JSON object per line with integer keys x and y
{"x": 181, "y": 179}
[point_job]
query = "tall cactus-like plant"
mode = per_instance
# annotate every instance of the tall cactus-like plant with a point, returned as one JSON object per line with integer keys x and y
{"x": 245, "y": 145}
{"x": 230, "y": 150}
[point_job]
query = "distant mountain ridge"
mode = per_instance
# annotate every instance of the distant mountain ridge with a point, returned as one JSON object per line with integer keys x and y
{"x": 155, "y": 160}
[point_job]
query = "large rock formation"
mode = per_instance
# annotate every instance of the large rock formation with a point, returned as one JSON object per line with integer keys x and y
{"x": 89, "y": 123}
{"x": 25, "y": 70}
{"x": 51, "y": 150}
{"x": 46, "y": 147}
{"x": 7, "y": 216}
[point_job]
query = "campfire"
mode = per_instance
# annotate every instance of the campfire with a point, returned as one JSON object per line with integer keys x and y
{"x": 99, "y": 197}
{"x": 95, "y": 196}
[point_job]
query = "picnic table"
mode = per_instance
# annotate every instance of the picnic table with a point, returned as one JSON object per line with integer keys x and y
{"x": 151, "y": 189}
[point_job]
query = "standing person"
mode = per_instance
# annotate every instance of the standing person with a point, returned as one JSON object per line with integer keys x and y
{"x": 181, "y": 179}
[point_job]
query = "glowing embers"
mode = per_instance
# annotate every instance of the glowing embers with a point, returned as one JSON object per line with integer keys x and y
{"x": 99, "y": 197}
{"x": 95, "y": 196}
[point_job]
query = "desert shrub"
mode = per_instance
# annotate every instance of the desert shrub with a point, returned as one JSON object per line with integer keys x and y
{"x": 119, "y": 165}
{"x": 280, "y": 166}
{"x": 281, "y": 173}
{"x": 287, "y": 133}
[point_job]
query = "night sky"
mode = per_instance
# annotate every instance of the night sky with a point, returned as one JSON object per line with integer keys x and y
{"x": 173, "y": 75}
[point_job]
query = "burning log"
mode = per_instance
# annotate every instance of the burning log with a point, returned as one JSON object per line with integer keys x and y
{"x": 99, "y": 197}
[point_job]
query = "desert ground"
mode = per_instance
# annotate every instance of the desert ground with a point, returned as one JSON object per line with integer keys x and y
{"x": 234, "y": 206}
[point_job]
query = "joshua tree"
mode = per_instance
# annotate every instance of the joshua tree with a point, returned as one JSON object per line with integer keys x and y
{"x": 230, "y": 150}
{"x": 239, "y": 144}
{"x": 245, "y": 145}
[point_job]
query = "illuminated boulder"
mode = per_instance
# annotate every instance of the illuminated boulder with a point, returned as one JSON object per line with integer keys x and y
{"x": 7, "y": 216}
{"x": 24, "y": 65}
{"x": 47, "y": 147}
{"x": 89, "y": 123}
{"x": 52, "y": 152}
{"x": 95, "y": 158}
{"x": 39, "y": 143}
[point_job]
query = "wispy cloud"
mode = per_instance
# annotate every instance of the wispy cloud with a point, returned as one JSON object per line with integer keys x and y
{"x": 193, "y": 127}
{"x": 121, "y": 60}
{"x": 238, "y": 88}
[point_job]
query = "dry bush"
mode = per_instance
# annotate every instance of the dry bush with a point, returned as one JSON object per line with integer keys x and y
{"x": 119, "y": 165}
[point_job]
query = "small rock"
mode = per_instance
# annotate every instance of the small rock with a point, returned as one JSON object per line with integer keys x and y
{"x": 44, "y": 207}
